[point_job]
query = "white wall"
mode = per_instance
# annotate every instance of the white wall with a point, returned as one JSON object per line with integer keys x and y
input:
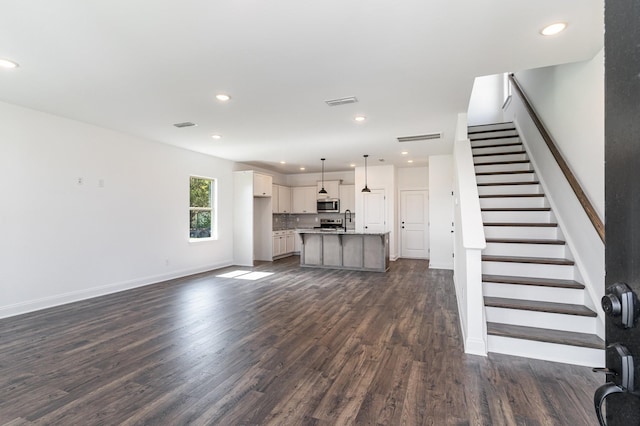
{"x": 413, "y": 178}
{"x": 570, "y": 101}
{"x": 487, "y": 98}
{"x": 441, "y": 211}
{"x": 585, "y": 246}
{"x": 310, "y": 179}
{"x": 61, "y": 241}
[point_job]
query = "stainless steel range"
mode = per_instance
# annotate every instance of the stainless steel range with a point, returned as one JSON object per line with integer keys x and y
{"x": 330, "y": 224}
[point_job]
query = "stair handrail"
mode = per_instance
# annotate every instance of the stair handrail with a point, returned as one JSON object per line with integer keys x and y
{"x": 566, "y": 170}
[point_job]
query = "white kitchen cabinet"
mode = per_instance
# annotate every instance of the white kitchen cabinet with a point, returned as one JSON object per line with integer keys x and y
{"x": 347, "y": 198}
{"x": 331, "y": 186}
{"x": 284, "y": 199}
{"x": 275, "y": 192}
{"x": 281, "y": 199}
{"x": 279, "y": 243}
{"x": 290, "y": 241}
{"x": 304, "y": 199}
{"x": 283, "y": 242}
{"x": 262, "y": 185}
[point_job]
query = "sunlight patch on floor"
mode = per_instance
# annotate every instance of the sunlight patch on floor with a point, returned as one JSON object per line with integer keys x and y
{"x": 245, "y": 275}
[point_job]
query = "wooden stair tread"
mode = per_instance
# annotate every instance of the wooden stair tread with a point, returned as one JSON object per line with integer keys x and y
{"x": 490, "y": 138}
{"x": 526, "y": 259}
{"x": 491, "y": 154}
{"x": 497, "y": 145}
{"x": 534, "y": 305}
{"x": 516, "y": 209}
{"x": 504, "y": 172}
{"x": 532, "y": 182}
{"x": 545, "y": 335}
{"x": 540, "y": 282}
{"x": 509, "y": 195}
{"x": 532, "y": 224}
{"x": 525, "y": 241}
{"x": 496, "y": 163}
{"x": 475, "y": 132}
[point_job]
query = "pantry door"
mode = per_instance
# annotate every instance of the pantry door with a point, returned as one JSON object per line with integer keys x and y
{"x": 414, "y": 225}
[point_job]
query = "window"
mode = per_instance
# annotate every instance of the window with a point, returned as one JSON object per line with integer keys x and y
{"x": 202, "y": 212}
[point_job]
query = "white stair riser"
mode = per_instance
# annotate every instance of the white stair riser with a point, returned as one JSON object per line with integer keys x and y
{"x": 576, "y": 323}
{"x": 533, "y": 292}
{"x": 513, "y": 202}
{"x": 525, "y": 250}
{"x": 535, "y": 270}
{"x": 517, "y": 216}
{"x": 511, "y": 177}
{"x": 509, "y": 189}
{"x": 508, "y": 147}
{"x": 502, "y": 167}
{"x": 547, "y": 351}
{"x": 525, "y": 232}
{"x": 499, "y": 158}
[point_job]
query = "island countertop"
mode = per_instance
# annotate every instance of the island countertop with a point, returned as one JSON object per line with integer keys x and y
{"x": 339, "y": 231}
{"x": 340, "y": 249}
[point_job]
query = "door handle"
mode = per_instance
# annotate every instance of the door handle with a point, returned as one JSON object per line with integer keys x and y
{"x": 622, "y": 377}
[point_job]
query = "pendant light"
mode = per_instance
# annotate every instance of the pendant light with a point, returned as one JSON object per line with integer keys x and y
{"x": 366, "y": 188}
{"x": 322, "y": 191}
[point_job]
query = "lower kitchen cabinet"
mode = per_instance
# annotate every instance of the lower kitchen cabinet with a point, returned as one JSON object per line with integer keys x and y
{"x": 283, "y": 243}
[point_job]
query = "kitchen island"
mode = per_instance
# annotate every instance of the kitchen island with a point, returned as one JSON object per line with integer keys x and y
{"x": 339, "y": 249}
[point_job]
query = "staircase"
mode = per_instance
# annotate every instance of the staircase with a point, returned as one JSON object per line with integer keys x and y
{"x": 534, "y": 300}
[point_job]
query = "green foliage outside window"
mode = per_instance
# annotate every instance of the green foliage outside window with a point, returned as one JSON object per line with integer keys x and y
{"x": 200, "y": 213}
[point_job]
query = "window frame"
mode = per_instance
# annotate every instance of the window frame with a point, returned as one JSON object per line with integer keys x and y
{"x": 213, "y": 209}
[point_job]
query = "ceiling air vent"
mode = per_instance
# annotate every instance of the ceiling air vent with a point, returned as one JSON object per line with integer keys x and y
{"x": 185, "y": 124}
{"x": 342, "y": 101}
{"x": 417, "y": 138}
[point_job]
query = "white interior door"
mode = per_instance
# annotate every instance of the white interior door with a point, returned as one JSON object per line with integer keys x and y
{"x": 414, "y": 224}
{"x": 374, "y": 211}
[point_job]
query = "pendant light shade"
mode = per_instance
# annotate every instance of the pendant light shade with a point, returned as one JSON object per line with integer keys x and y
{"x": 322, "y": 191}
{"x": 366, "y": 188}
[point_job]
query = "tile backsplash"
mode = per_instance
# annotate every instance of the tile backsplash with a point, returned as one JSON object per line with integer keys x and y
{"x": 305, "y": 221}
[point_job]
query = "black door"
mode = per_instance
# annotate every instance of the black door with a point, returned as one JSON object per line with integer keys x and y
{"x": 622, "y": 206}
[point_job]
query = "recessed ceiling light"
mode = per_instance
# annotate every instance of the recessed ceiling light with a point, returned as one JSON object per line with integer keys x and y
{"x": 283, "y": 162}
{"x": 216, "y": 136}
{"x": 553, "y": 28}
{"x": 404, "y": 152}
{"x": 352, "y": 165}
{"x": 222, "y": 97}
{"x": 301, "y": 168}
{"x": 5, "y": 63}
{"x": 360, "y": 118}
{"x": 409, "y": 161}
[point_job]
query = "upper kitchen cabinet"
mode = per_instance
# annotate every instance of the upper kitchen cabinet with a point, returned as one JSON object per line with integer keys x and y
{"x": 281, "y": 199}
{"x": 304, "y": 199}
{"x": 347, "y": 198}
{"x": 331, "y": 186}
{"x": 262, "y": 185}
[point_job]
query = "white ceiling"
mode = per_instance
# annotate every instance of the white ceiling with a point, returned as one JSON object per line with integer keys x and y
{"x": 139, "y": 66}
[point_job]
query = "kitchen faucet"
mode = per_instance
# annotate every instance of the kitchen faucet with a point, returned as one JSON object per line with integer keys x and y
{"x": 345, "y": 218}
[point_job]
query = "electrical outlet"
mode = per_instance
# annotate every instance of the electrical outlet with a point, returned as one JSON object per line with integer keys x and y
{"x": 80, "y": 181}
{"x": 100, "y": 183}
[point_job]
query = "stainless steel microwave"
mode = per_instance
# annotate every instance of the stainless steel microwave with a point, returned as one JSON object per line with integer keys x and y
{"x": 328, "y": 205}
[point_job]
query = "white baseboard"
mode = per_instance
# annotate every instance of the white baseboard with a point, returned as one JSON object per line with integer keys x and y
{"x": 440, "y": 265}
{"x": 76, "y": 296}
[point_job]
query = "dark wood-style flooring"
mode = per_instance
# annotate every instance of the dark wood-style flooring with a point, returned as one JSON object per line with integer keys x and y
{"x": 299, "y": 347}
